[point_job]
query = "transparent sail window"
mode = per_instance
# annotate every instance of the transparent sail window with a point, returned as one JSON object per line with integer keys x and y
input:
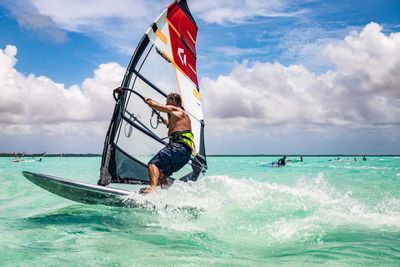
{"x": 136, "y": 143}
{"x": 157, "y": 70}
{"x": 141, "y": 113}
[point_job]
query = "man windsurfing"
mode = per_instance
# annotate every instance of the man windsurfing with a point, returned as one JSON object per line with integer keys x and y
{"x": 179, "y": 149}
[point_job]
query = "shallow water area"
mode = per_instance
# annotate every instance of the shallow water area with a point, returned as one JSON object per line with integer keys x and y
{"x": 241, "y": 213}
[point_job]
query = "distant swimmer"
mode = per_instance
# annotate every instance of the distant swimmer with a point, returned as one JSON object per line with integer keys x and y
{"x": 355, "y": 159}
{"x": 301, "y": 158}
{"x": 282, "y": 161}
{"x": 364, "y": 158}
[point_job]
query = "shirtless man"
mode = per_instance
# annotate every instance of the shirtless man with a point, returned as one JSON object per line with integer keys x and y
{"x": 177, "y": 153}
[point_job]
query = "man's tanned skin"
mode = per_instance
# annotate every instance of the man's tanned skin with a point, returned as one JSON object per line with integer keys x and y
{"x": 178, "y": 120}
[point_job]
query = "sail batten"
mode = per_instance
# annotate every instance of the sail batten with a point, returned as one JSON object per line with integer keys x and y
{"x": 163, "y": 62}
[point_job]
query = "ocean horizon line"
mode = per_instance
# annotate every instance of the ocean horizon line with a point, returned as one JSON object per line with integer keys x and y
{"x": 210, "y": 155}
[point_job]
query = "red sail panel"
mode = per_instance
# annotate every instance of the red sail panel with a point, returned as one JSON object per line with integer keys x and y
{"x": 183, "y": 34}
{"x": 185, "y": 26}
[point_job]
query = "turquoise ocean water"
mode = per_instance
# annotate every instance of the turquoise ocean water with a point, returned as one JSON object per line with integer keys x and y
{"x": 319, "y": 212}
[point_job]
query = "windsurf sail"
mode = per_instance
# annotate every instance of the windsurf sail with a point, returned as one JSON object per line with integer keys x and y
{"x": 164, "y": 62}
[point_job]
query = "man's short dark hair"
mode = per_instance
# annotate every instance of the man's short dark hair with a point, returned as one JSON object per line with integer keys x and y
{"x": 176, "y": 97}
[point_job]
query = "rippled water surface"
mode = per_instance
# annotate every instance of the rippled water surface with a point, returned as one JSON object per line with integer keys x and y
{"x": 241, "y": 213}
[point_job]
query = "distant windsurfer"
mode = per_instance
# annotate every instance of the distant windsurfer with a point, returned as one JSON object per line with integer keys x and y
{"x": 177, "y": 153}
{"x": 282, "y": 161}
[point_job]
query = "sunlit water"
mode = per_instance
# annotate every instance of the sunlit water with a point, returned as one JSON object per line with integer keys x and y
{"x": 320, "y": 211}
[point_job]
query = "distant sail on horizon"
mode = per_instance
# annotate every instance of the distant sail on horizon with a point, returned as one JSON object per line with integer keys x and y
{"x": 164, "y": 62}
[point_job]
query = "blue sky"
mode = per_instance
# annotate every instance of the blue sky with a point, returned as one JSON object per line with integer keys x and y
{"x": 244, "y": 48}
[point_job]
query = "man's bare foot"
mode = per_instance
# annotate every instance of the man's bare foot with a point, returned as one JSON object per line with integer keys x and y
{"x": 146, "y": 190}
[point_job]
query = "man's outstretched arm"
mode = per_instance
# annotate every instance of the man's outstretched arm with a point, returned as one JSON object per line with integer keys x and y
{"x": 160, "y": 107}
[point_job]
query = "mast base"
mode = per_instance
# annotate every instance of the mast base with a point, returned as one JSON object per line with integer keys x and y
{"x": 105, "y": 179}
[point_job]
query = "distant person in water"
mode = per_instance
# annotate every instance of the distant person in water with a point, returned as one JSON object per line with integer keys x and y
{"x": 282, "y": 161}
{"x": 364, "y": 158}
{"x": 181, "y": 142}
{"x": 301, "y": 158}
{"x": 355, "y": 159}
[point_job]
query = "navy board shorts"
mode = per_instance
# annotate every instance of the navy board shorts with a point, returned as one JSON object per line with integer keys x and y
{"x": 171, "y": 158}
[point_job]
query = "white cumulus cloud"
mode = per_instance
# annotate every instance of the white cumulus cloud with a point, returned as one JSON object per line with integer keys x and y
{"x": 37, "y": 104}
{"x": 362, "y": 90}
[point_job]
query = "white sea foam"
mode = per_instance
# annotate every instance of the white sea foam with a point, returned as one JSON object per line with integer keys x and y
{"x": 366, "y": 168}
{"x": 244, "y": 209}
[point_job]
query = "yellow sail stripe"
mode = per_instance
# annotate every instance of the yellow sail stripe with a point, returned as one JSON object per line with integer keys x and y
{"x": 196, "y": 93}
{"x": 172, "y": 26}
{"x": 167, "y": 57}
{"x": 161, "y": 36}
{"x": 191, "y": 37}
{"x": 190, "y": 66}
